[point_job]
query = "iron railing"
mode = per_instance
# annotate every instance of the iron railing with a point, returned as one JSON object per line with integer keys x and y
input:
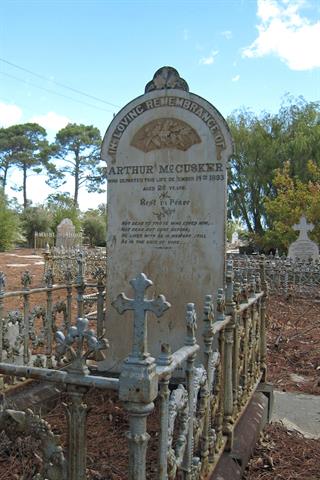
{"x": 198, "y": 414}
{"x": 284, "y": 275}
{"x": 27, "y": 331}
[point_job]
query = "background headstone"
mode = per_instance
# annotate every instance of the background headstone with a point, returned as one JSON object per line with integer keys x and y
{"x": 66, "y": 234}
{"x": 303, "y": 248}
{"x": 235, "y": 238}
{"x": 167, "y": 154}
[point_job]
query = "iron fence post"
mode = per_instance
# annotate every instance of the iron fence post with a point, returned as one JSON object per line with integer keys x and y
{"x": 228, "y": 357}
{"x": 76, "y": 411}
{"x": 26, "y": 281}
{"x": 100, "y": 276}
{"x": 80, "y": 285}
{"x": 208, "y": 319}
{"x": 191, "y": 340}
{"x": 48, "y": 327}
{"x": 138, "y": 382}
{"x": 263, "y": 340}
{"x": 68, "y": 280}
{"x": 164, "y": 394}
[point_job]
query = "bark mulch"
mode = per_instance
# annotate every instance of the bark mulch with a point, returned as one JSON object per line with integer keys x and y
{"x": 284, "y": 455}
{"x": 107, "y": 449}
{"x": 293, "y": 342}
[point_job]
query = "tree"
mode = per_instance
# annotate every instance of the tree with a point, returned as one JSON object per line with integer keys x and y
{"x": 94, "y": 225}
{"x": 24, "y": 146}
{"x": 251, "y": 167}
{"x": 299, "y": 138}
{"x": 6, "y": 156}
{"x": 60, "y": 206}
{"x": 78, "y": 146}
{"x": 264, "y": 144}
{"x": 36, "y": 219}
{"x": 293, "y": 198}
{"x": 10, "y": 227}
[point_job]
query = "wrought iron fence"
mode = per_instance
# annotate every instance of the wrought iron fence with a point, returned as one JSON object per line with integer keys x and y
{"x": 60, "y": 260}
{"x": 284, "y": 275}
{"x": 27, "y": 331}
{"x": 197, "y": 417}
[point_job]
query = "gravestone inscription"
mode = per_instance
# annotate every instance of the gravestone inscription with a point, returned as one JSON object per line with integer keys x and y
{"x": 303, "y": 248}
{"x": 167, "y": 154}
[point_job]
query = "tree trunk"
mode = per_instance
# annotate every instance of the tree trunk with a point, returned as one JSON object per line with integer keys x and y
{"x": 76, "y": 180}
{"x": 257, "y": 224}
{"x": 241, "y": 205}
{"x": 4, "y": 178}
{"x": 25, "y": 200}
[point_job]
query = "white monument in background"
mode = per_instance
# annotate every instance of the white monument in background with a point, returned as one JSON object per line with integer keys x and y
{"x": 303, "y": 248}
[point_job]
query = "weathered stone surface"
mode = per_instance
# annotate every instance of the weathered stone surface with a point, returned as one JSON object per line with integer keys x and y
{"x": 66, "y": 234}
{"x": 167, "y": 154}
{"x": 298, "y": 411}
{"x": 303, "y": 248}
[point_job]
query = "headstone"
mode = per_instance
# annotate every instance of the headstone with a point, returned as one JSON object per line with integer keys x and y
{"x": 66, "y": 234}
{"x": 235, "y": 238}
{"x": 167, "y": 153}
{"x": 303, "y": 248}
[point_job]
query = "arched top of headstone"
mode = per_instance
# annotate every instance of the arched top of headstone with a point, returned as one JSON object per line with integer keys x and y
{"x": 164, "y": 78}
{"x": 66, "y": 221}
{"x": 166, "y": 116}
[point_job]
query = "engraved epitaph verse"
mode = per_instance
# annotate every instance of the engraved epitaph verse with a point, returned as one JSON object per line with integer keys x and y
{"x": 164, "y": 201}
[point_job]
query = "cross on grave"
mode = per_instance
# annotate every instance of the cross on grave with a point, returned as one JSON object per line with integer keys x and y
{"x": 140, "y": 306}
{"x": 303, "y": 227}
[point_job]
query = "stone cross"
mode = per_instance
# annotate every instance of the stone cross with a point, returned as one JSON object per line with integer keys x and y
{"x": 140, "y": 306}
{"x": 303, "y": 227}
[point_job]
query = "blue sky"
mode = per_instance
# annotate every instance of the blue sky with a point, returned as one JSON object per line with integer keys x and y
{"x": 234, "y": 53}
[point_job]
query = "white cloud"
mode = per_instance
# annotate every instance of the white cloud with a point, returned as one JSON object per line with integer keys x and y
{"x": 284, "y": 32}
{"x": 10, "y": 114}
{"x": 227, "y": 34}
{"x": 51, "y": 121}
{"x": 210, "y": 59}
{"x": 236, "y": 78}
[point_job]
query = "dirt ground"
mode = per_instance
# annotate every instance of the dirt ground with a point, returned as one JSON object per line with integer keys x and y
{"x": 293, "y": 329}
{"x": 293, "y": 342}
{"x": 16, "y": 262}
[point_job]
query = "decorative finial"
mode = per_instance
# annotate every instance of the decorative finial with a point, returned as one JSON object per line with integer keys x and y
{"x": 221, "y": 304}
{"x": 191, "y": 320}
{"x": 26, "y": 279}
{"x": 2, "y": 281}
{"x": 79, "y": 335}
{"x": 99, "y": 274}
{"x": 48, "y": 277}
{"x": 166, "y": 78}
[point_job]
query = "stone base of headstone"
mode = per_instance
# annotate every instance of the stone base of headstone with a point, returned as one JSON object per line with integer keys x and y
{"x": 304, "y": 250}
